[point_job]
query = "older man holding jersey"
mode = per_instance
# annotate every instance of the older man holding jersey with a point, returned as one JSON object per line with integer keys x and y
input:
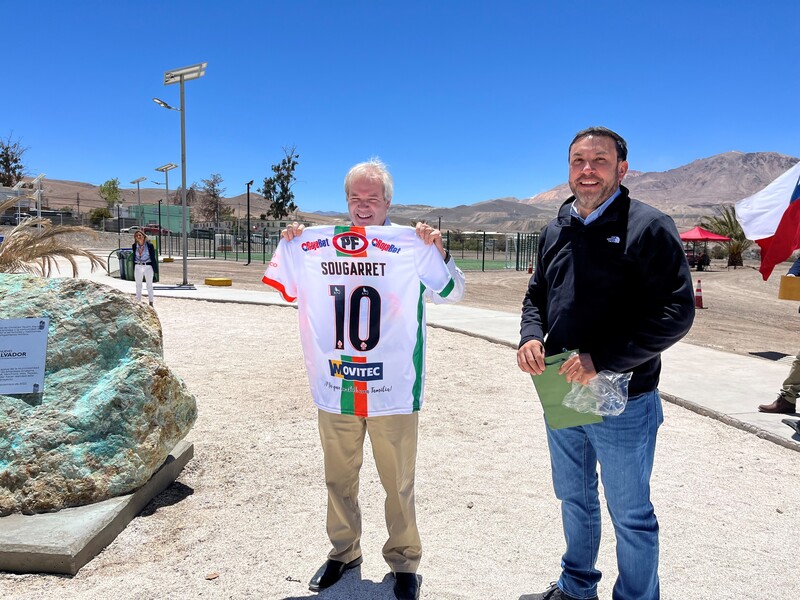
{"x": 360, "y": 292}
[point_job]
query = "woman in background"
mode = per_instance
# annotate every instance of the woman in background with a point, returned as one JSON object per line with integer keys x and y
{"x": 145, "y": 264}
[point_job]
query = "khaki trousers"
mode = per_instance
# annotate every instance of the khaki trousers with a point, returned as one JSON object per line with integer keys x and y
{"x": 394, "y": 447}
{"x": 791, "y": 386}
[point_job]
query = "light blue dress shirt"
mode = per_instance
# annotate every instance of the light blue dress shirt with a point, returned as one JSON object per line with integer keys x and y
{"x": 597, "y": 212}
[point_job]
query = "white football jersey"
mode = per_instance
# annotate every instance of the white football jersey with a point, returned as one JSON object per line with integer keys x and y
{"x": 359, "y": 293}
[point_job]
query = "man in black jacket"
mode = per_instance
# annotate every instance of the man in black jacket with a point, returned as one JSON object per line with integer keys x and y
{"x": 613, "y": 283}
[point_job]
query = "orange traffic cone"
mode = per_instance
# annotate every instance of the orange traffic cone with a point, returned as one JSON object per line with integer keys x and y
{"x": 530, "y": 266}
{"x": 698, "y": 296}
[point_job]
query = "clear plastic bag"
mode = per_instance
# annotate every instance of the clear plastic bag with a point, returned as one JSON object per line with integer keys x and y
{"x": 606, "y": 395}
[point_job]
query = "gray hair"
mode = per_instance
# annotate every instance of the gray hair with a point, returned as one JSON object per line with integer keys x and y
{"x": 374, "y": 170}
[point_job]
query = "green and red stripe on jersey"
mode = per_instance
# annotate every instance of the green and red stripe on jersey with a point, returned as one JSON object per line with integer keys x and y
{"x": 354, "y": 398}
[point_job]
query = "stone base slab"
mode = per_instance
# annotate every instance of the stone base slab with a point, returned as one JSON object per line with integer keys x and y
{"x": 64, "y": 541}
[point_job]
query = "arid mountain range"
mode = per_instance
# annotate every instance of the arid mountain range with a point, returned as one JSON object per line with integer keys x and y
{"x": 687, "y": 193}
{"x": 690, "y": 192}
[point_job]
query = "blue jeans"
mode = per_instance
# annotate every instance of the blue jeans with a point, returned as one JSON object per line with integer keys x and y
{"x": 624, "y": 446}
{"x": 795, "y": 268}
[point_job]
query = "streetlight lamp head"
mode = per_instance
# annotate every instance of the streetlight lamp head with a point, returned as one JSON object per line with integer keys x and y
{"x": 164, "y": 104}
{"x": 249, "y": 182}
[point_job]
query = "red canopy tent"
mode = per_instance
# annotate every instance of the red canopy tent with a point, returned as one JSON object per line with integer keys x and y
{"x": 698, "y": 234}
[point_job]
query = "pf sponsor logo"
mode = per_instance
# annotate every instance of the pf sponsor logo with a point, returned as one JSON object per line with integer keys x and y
{"x": 384, "y": 246}
{"x": 315, "y": 245}
{"x": 350, "y": 243}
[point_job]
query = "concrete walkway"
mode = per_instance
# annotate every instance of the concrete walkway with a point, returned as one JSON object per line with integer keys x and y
{"x": 728, "y": 387}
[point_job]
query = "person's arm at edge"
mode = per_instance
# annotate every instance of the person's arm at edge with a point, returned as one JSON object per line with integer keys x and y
{"x": 154, "y": 256}
{"x": 530, "y": 352}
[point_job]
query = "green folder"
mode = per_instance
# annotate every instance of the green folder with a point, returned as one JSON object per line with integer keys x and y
{"x": 552, "y": 388}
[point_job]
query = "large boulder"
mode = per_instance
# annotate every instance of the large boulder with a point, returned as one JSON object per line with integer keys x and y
{"x": 111, "y": 410}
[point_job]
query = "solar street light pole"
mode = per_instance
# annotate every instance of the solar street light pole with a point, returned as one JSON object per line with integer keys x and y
{"x": 180, "y": 76}
{"x": 248, "y": 184}
{"x": 139, "y": 198}
{"x": 166, "y": 169}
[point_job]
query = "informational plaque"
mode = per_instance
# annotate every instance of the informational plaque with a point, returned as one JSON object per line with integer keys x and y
{"x": 23, "y": 349}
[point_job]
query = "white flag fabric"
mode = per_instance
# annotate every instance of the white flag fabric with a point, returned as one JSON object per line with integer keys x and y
{"x": 760, "y": 213}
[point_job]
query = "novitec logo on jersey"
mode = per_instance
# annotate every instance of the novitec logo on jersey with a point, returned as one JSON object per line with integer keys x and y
{"x": 384, "y": 247}
{"x": 351, "y": 243}
{"x": 353, "y": 371}
{"x": 315, "y": 245}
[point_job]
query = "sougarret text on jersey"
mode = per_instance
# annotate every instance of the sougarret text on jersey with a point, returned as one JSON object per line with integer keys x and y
{"x": 355, "y": 267}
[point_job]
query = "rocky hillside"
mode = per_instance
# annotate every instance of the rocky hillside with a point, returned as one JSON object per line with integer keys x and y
{"x": 687, "y": 193}
{"x": 85, "y": 197}
{"x": 692, "y": 191}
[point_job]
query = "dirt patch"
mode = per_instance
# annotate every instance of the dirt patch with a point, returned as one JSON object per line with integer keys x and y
{"x": 742, "y": 312}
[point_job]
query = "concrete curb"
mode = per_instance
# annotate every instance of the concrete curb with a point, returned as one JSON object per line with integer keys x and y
{"x": 672, "y": 399}
{"x": 732, "y": 421}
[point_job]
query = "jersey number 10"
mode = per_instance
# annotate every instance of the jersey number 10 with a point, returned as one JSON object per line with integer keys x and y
{"x": 362, "y": 293}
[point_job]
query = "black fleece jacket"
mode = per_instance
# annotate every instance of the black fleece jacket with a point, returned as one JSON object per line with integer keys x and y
{"x": 618, "y": 288}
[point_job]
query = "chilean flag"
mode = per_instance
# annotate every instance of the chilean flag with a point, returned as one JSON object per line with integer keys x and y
{"x": 771, "y": 217}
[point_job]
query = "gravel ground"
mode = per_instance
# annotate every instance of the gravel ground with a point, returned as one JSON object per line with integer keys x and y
{"x": 246, "y": 517}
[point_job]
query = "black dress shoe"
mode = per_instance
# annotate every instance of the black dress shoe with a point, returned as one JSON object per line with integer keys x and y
{"x": 552, "y": 593}
{"x": 330, "y": 573}
{"x": 406, "y": 586}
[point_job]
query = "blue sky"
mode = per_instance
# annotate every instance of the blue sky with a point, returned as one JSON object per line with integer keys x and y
{"x": 466, "y": 101}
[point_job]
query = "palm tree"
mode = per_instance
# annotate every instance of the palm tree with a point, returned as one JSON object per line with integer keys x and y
{"x": 725, "y": 223}
{"x": 35, "y": 250}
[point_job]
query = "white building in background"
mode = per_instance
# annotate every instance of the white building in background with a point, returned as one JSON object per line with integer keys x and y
{"x": 12, "y": 216}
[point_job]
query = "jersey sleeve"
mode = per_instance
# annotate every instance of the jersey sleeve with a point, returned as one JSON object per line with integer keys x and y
{"x": 432, "y": 270}
{"x": 457, "y": 293}
{"x": 281, "y": 272}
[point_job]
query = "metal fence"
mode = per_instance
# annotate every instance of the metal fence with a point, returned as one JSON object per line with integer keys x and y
{"x": 482, "y": 251}
{"x": 473, "y": 251}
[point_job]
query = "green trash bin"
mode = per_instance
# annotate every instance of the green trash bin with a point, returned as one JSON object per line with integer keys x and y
{"x": 125, "y": 256}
